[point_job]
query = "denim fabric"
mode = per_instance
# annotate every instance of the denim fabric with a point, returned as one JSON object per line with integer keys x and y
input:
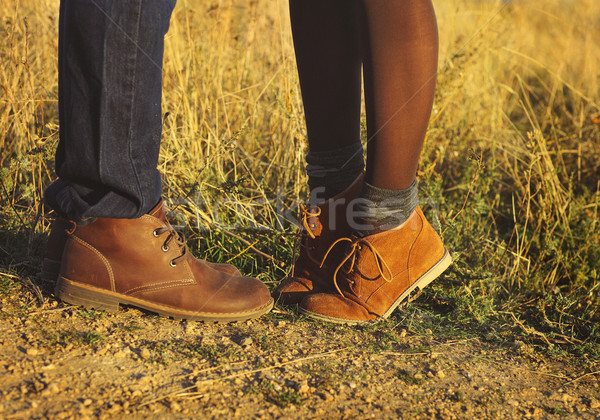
{"x": 110, "y": 85}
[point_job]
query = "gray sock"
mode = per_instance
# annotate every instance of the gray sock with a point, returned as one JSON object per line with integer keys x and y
{"x": 331, "y": 172}
{"x": 378, "y": 209}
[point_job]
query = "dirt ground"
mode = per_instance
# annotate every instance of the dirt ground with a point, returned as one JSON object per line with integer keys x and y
{"x": 60, "y": 361}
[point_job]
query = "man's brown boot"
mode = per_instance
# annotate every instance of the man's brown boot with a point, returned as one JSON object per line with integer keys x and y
{"x": 142, "y": 262}
{"x": 54, "y": 249}
{"x": 56, "y": 245}
{"x": 379, "y": 271}
{"x": 322, "y": 225}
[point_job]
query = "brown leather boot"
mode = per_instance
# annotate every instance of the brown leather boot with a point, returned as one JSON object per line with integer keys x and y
{"x": 143, "y": 262}
{"x": 56, "y": 244}
{"x": 322, "y": 225}
{"x": 54, "y": 249}
{"x": 379, "y": 271}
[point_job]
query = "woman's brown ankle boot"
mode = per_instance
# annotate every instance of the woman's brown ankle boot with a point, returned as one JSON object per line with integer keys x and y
{"x": 379, "y": 271}
{"x": 322, "y": 225}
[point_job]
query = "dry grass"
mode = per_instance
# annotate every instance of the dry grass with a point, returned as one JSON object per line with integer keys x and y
{"x": 511, "y": 156}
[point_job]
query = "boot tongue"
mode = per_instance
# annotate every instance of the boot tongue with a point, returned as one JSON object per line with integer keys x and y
{"x": 159, "y": 211}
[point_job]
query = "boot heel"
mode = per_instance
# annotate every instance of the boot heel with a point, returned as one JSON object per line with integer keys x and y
{"x": 50, "y": 270}
{"x": 74, "y": 294}
{"x": 435, "y": 271}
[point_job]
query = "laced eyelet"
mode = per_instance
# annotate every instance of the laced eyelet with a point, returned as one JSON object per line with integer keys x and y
{"x": 71, "y": 229}
{"x": 165, "y": 248}
{"x": 172, "y": 263}
{"x": 155, "y": 233}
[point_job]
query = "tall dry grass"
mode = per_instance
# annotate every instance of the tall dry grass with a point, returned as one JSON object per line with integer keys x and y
{"x": 511, "y": 156}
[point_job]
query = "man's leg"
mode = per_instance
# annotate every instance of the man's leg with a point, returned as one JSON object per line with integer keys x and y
{"x": 110, "y": 77}
{"x": 118, "y": 247}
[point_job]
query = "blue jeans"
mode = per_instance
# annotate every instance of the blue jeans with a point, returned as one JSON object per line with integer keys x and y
{"x": 110, "y": 85}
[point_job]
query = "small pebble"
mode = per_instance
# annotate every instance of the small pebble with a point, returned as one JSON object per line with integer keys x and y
{"x": 145, "y": 354}
{"x": 246, "y": 341}
{"x": 52, "y": 388}
{"x": 175, "y": 406}
{"x": 303, "y": 388}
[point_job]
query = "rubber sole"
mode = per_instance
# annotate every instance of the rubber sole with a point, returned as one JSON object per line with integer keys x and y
{"x": 422, "y": 282}
{"x": 94, "y": 298}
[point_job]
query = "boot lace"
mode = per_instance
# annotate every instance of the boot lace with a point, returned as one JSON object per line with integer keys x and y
{"x": 307, "y": 213}
{"x": 308, "y": 229}
{"x": 356, "y": 246}
{"x": 173, "y": 238}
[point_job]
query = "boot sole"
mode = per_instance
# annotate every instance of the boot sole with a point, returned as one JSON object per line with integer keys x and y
{"x": 94, "y": 298}
{"x": 422, "y": 282}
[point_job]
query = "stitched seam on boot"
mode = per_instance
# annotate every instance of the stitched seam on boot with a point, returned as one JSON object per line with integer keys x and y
{"x": 155, "y": 288}
{"x": 189, "y": 271}
{"x": 164, "y": 284}
{"x": 102, "y": 258}
{"x": 154, "y": 219}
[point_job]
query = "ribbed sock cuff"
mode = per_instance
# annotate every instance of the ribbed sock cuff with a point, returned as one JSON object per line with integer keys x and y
{"x": 379, "y": 209}
{"x": 332, "y": 171}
